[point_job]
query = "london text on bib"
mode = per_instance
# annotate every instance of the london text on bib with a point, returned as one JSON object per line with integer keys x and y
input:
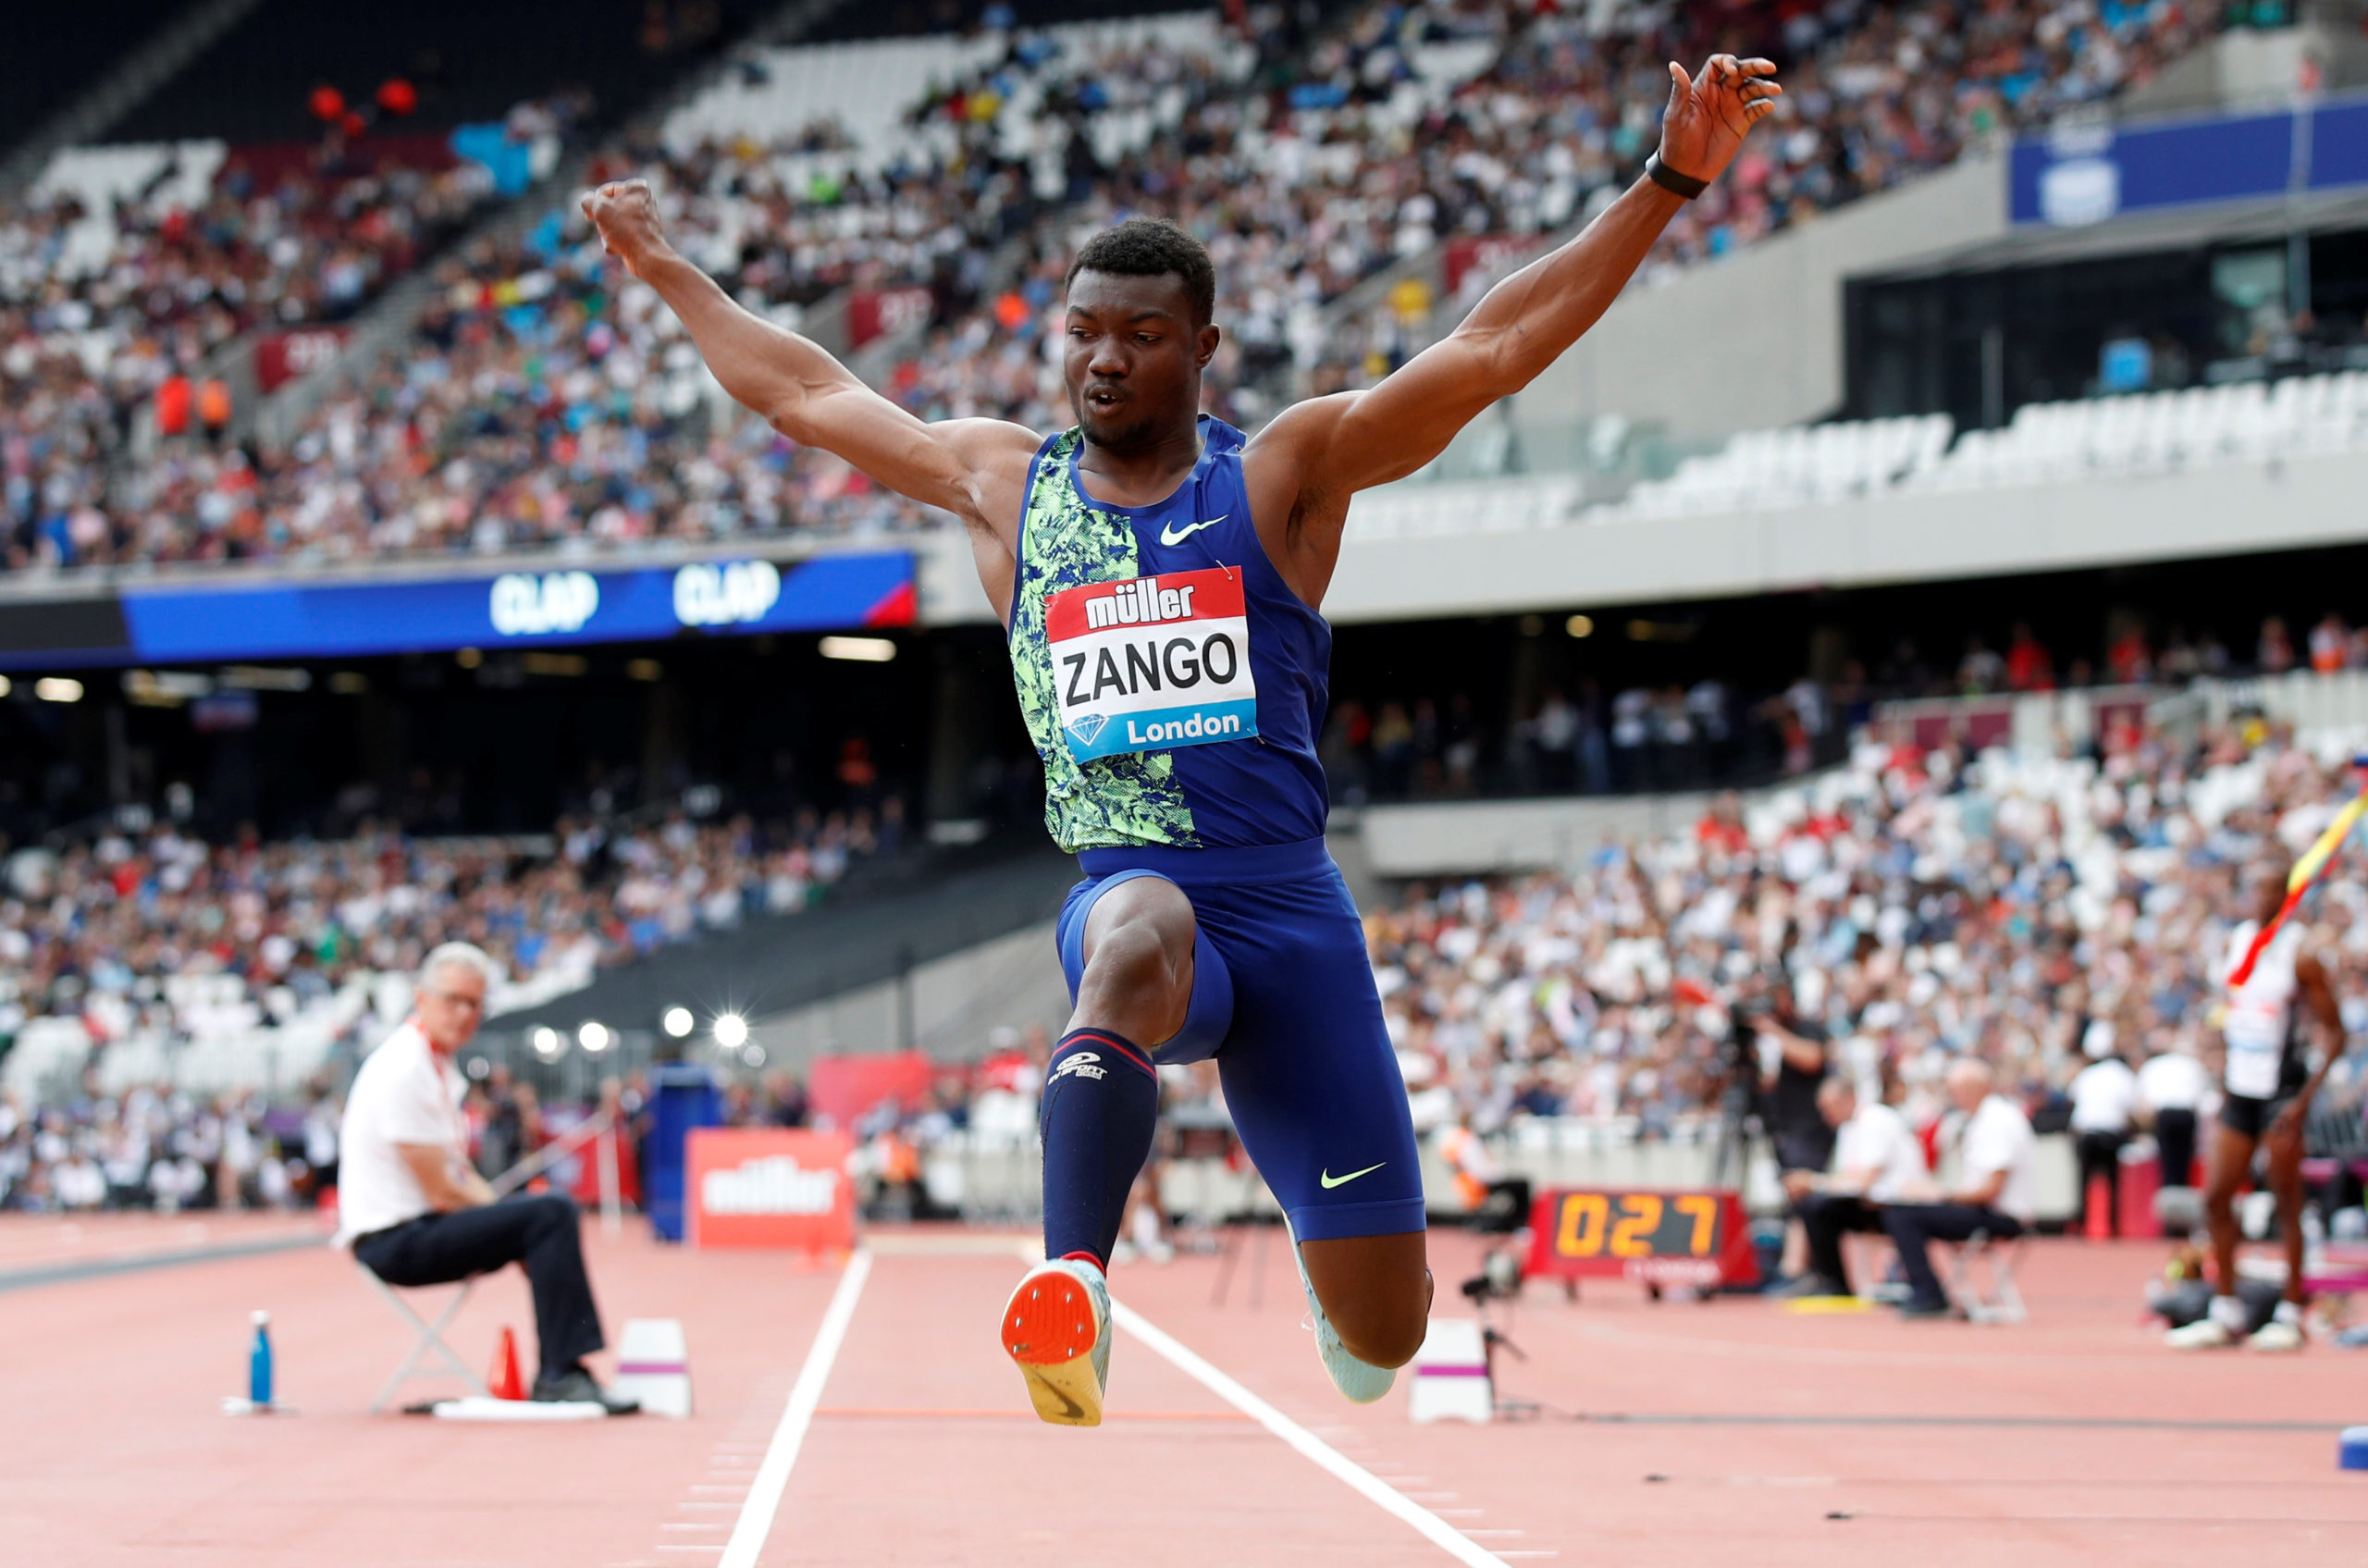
{"x": 1153, "y": 662}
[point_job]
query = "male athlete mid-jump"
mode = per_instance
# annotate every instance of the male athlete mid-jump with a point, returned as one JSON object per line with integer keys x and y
{"x": 1159, "y": 578}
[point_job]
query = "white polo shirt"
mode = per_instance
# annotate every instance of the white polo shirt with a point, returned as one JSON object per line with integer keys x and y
{"x": 405, "y": 1094}
{"x": 1998, "y": 1137}
{"x": 1878, "y": 1139}
{"x": 2105, "y": 1096}
{"x": 2172, "y": 1080}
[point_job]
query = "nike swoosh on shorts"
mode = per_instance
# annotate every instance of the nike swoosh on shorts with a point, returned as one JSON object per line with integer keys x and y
{"x": 1331, "y": 1180}
{"x": 1170, "y": 537}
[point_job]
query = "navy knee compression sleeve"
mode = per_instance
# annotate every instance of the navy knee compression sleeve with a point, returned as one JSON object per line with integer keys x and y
{"x": 1100, "y": 1100}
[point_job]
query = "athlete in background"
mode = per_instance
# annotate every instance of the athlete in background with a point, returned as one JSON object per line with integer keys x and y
{"x": 2269, "y": 1088}
{"x": 1159, "y": 578}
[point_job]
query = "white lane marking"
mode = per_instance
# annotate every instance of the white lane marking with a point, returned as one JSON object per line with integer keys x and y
{"x": 764, "y": 1496}
{"x": 1454, "y": 1542}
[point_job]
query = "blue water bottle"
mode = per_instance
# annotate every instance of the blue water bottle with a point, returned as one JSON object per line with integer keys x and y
{"x": 259, "y": 1364}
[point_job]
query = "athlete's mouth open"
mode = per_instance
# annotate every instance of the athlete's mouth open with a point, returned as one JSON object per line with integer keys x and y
{"x": 1103, "y": 398}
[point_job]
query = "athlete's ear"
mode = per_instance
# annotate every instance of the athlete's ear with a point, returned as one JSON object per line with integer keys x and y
{"x": 1204, "y": 346}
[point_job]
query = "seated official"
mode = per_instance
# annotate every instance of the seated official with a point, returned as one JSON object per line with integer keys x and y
{"x": 413, "y": 1211}
{"x": 1876, "y": 1160}
{"x": 1997, "y": 1192}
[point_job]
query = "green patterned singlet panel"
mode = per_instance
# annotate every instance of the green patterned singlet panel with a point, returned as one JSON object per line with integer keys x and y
{"x": 1065, "y": 540}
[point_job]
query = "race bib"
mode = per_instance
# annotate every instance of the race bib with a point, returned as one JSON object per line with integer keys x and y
{"x": 1153, "y": 663}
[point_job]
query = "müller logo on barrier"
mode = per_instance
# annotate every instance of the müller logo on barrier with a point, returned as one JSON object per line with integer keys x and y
{"x": 779, "y": 1185}
{"x": 769, "y": 1187}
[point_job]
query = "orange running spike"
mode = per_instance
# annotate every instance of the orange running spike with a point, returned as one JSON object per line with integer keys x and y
{"x": 1052, "y": 1323}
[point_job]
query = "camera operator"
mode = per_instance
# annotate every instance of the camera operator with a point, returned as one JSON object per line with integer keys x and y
{"x": 1791, "y": 1053}
{"x": 1773, "y": 1049}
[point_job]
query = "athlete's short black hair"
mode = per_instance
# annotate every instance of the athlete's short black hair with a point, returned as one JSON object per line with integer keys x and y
{"x": 1153, "y": 247}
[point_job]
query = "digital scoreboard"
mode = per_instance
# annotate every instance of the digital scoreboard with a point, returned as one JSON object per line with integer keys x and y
{"x": 1695, "y": 1237}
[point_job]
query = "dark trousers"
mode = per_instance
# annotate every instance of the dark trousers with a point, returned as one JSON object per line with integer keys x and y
{"x": 539, "y": 1233}
{"x": 2174, "y": 1133}
{"x": 2101, "y": 1155}
{"x": 1826, "y": 1216}
{"x": 1911, "y": 1226}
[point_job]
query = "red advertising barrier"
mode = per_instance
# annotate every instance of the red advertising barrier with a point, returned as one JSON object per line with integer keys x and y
{"x": 1696, "y": 1238}
{"x": 843, "y": 1088}
{"x": 585, "y": 1189}
{"x": 1484, "y": 254}
{"x": 873, "y": 312}
{"x": 283, "y": 356}
{"x": 769, "y": 1187}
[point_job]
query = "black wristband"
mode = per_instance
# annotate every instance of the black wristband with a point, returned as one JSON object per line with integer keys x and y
{"x": 1669, "y": 179}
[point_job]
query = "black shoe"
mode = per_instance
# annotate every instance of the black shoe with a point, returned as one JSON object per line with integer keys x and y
{"x": 1914, "y": 1308}
{"x": 577, "y": 1387}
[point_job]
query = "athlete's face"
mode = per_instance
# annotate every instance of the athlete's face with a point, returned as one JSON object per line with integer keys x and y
{"x": 2270, "y": 896}
{"x": 1133, "y": 360}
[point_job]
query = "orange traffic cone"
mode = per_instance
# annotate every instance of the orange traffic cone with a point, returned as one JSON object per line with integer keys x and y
{"x": 2098, "y": 1216}
{"x": 503, "y": 1380}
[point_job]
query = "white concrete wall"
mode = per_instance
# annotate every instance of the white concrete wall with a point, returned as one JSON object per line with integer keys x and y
{"x": 1755, "y": 339}
{"x": 1013, "y": 981}
{"x": 2228, "y": 509}
{"x": 1449, "y": 838}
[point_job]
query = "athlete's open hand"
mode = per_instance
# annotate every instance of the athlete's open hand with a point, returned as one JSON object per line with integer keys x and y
{"x": 1710, "y": 114}
{"x": 626, "y": 215}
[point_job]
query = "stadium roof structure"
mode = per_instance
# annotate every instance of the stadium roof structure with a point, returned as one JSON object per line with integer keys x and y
{"x": 2195, "y": 228}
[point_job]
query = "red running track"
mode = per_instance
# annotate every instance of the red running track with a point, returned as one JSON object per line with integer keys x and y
{"x": 1752, "y": 1429}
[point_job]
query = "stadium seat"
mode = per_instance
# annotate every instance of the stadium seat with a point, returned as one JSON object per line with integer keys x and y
{"x": 1994, "y": 1299}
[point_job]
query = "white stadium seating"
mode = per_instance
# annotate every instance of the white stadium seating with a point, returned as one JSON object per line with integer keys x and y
{"x": 1798, "y": 466}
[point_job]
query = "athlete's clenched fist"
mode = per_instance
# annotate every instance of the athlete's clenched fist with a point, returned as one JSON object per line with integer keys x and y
{"x": 626, "y": 215}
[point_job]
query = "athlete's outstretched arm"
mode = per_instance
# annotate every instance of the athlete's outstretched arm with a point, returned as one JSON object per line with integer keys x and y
{"x": 1319, "y": 452}
{"x": 973, "y": 468}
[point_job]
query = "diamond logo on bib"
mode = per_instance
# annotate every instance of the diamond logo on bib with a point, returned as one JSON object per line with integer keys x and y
{"x": 1153, "y": 663}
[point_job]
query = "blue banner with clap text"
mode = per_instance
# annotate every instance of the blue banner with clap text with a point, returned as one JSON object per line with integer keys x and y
{"x": 317, "y": 619}
{"x": 2079, "y": 175}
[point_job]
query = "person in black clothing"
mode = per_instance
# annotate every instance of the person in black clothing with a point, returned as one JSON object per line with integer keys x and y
{"x": 1793, "y": 1055}
{"x": 1790, "y": 1054}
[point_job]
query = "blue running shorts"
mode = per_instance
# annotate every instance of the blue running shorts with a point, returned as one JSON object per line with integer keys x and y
{"x": 1283, "y": 997}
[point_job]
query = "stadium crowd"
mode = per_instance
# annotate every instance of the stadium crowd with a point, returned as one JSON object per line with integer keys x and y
{"x": 1922, "y": 908}
{"x": 102, "y": 930}
{"x": 106, "y": 313}
{"x": 161, "y": 1149}
{"x": 542, "y": 404}
{"x": 1875, "y": 94}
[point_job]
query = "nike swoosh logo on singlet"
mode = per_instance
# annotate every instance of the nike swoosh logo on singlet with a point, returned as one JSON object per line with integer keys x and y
{"x": 1169, "y": 537}
{"x": 1331, "y": 1180}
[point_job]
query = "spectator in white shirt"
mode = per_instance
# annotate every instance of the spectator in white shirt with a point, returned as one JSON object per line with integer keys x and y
{"x": 2105, "y": 1108}
{"x": 1996, "y": 1192}
{"x": 2170, "y": 1096}
{"x": 1876, "y": 1159}
{"x": 416, "y": 1212}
